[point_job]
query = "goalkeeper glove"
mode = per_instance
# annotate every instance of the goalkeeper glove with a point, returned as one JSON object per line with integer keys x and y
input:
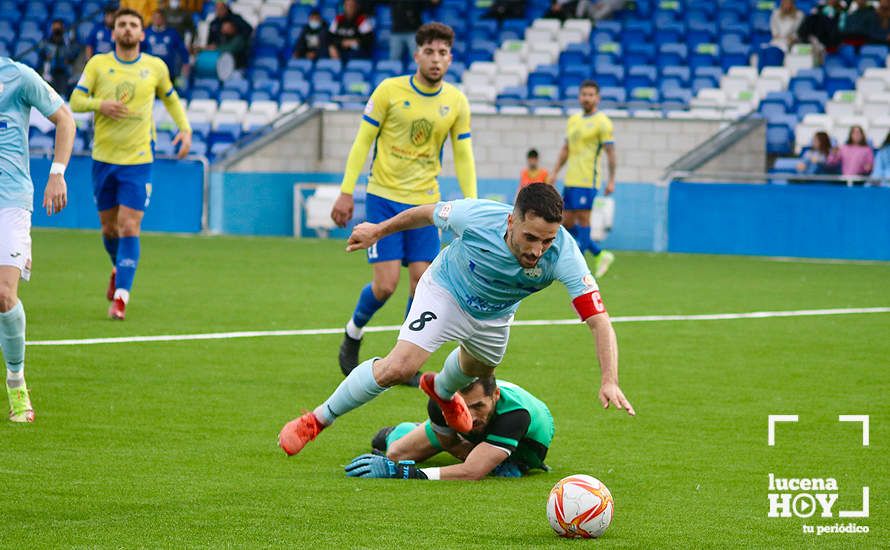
{"x": 370, "y": 465}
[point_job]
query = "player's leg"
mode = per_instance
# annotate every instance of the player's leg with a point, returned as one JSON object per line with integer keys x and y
{"x": 133, "y": 196}
{"x": 15, "y": 262}
{"x": 386, "y": 256}
{"x": 105, "y": 194}
{"x": 418, "y": 444}
{"x": 364, "y": 383}
{"x": 371, "y": 298}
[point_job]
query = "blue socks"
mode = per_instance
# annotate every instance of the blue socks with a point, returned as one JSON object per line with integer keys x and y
{"x": 367, "y": 306}
{"x": 451, "y": 378}
{"x": 408, "y": 307}
{"x": 111, "y": 244}
{"x": 358, "y": 388}
{"x": 581, "y": 233}
{"x": 12, "y": 342}
{"x": 127, "y": 260}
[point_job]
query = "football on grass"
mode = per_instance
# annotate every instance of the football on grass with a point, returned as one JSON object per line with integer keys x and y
{"x": 580, "y": 506}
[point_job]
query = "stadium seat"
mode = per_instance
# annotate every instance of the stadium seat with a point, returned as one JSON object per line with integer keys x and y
{"x": 779, "y": 139}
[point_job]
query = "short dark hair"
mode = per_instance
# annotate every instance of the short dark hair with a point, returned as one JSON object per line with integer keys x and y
{"x": 488, "y": 384}
{"x": 589, "y": 84}
{"x": 541, "y": 199}
{"x": 129, "y": 11}
{"x": 434, "y": 31}
{"x": 532, "y": 154}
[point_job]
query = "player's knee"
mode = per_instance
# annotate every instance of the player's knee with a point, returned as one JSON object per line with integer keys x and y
{"x": 390, "y": 372}
{"x": 384, "y": 289}
{"x": 8, "y": 298}
{"x": 128, "y": 227}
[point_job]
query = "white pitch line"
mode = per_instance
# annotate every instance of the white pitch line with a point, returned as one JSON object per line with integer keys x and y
{"x": 393, "y": 328}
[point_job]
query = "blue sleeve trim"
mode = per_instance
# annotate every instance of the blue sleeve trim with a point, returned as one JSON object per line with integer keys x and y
{"x": 371, "y": 121}
{"x": 82, "y": 89}
{"x": 609, "y": 142}
{"x": 463, "y": 136}
{"x": 172, "y": 89}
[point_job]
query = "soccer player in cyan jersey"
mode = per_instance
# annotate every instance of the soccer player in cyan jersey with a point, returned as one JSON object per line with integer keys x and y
{"x": 512, "y": 431}
{"x": 120, "y": 88}
{"x": 407, "y": 121}
{"x": 588, "y": 134}
{"x": 20, "y": 90}
{"x": 469, "y": 295}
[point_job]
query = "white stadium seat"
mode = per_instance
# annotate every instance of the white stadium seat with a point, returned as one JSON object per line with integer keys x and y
{"x": 487, "y": 68}
{"x": 875, "y": 105}
{"x": 504, "y": 80}
{"x": 535, "y": 36}
{"x": 733, "y": 84}
{"x": 504, "y": 57}
{"x": 778, "y": 73}
{"x": 867, "y": 85}
{"x": 207, "y": 106}
{"x": 583, "y": 25}
{"x": 517, "y": 69}
{"x": 476, "y": 79}
{"x": 709, "y": 97}
{"x": 748, "y": 73}
{"x": 550, "y": 25}
{"x": 764, "y": 86}
{"x": 483, "y": 108}
{"x": 838, "y": 109}
{"x": 235, "y": 106}
{"x": 266, "y": 107}
{"x": 225, "y": 118}
{"x": 480, "y": 92}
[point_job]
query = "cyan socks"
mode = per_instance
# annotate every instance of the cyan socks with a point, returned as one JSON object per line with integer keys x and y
{"x": 358, "y": 388}
{"x": 12, "y": 342}
{"x": 450, "y": 379}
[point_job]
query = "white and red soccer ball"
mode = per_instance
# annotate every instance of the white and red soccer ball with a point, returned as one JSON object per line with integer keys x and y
{"x": 580, "y": 506}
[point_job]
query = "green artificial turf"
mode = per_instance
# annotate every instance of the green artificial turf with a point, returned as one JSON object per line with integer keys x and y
{"x": 173, "y": 443}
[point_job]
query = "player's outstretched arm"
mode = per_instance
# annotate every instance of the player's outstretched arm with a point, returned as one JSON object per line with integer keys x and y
{"x": 607, "y": 354}
{"x": 55, "y": 197}
{"x": 366, "y": 234}
{"x": 341, "y": 213}
{"x": 560, "y": 161}
{"x": 484, "y": 458}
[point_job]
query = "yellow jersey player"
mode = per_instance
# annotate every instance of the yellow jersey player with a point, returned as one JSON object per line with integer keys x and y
{"x": 407, "y": 120}
{"x": 588, "y": 134}
{"x": 120, "y": 87}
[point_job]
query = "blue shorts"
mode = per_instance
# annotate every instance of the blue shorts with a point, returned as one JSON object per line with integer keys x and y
{"x": 121, "y": 184}
{"x": 578, "y": 198}
{"x": 414, "y": 245}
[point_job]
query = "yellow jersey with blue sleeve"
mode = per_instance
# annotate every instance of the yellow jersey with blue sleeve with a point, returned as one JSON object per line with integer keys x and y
{"x": 586, "y": 136}
{"x": 412, "y": 123}
{"x": 136, "y": 84}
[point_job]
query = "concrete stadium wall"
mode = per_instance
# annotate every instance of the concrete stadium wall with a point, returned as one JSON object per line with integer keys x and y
{"x": 645, "y": 146}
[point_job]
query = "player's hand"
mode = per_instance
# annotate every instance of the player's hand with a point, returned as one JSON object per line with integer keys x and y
{"x": 342, "y": 211}
{"x": 610, "y": 187}
{"x": 55, "y": 197}
{"x": 611, "y": 393}
{"x": 114, "y": 109}
{"x": 375, "y": 466}
{"x": 185, "y": 141}
{"x": 363, "y": 236}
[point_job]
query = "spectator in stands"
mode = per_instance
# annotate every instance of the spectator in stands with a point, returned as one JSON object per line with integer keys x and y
{"x": 821, "y": 159}
{"x": 58, "y": 52}
{"x": 555, "y": 11}
{"x": 881, "y": 170}
{"x": 180, "y": 18}
{"x": 145, "y": 7}
{"x": 233, "y": 42}
{"x": 783, "y": 24}
{"x": 406, "y": 19}
{"x": 313, "y": 42}
{"x": 599, "y": 9}
{"x": 100, "y": 38}
{"x": 861, "y": 24}
{"x": 857, "y": 158}
{"x": 352, "y": 33}
{"x": 506, "y": 9}
{"x": 821, "y": 28}
{"x": 883, "y": 12}
{"x": 532, "y": 172}
{"x": 166, "y": 43}
{"x": 225, "y": 14}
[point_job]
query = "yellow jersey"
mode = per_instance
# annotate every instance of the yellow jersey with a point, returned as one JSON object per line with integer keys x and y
{"x": 586, "y": 135}
{"x": 413, "y": 123}
{"x": 135, "y": 84}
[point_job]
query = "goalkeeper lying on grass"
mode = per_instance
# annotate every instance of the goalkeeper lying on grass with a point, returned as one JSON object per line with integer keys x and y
{"x": 511, "y": 432}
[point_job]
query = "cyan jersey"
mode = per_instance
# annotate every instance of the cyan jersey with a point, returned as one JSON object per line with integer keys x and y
{"x": 20, "y": 89}
{"x": 482, "y": 273}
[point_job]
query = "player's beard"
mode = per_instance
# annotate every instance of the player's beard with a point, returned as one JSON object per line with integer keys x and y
{"x": 128, "y": 43}
{"x": 432, "y": 81}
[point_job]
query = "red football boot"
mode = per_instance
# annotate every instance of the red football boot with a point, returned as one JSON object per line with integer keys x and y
{"x": 118, "y": 309}
{"x": 298, "y": 432}
{"x": 456, "y": 412}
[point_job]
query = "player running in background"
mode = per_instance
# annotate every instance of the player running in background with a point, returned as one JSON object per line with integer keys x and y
{"x": 469, "y": 295}
{"x": 120, "y": 88}
{"x": 407, "y": 121}
{"x": 587, "y": 135}
{"x": 22, "y": 89}
{"x": 512, "y": 430}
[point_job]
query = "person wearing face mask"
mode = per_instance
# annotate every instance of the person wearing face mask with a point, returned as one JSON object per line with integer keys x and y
{"x": 180, "y": 19}
{"x": 821, "y": 28}
{"x": 313, "y": 42}
{"x": 58, "y": 53}
{"x": 166, "y": 43}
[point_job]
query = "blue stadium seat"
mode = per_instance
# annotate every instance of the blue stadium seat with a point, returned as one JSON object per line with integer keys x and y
{"x": 702, "y": 82}
{"x": 661, "y": 17}
{"x": 262, "y": 95}
{"x": 229, "y": 93}
{"x": 225, "y": 132}
{"x": 840, "y": 79}
{"x": 641, "y": 76}
{"x": 301, "y": 87}
{"x": 799, "y": 84}
{"x": 568, "y": 59}
{"x": 202, "y": 93}
{"x": 200, "y": 130}
{"x": 333, "y": 66}
{"x": 512, "y": 95}
{"x": 785, "y": 165}
{"x": 672, "y": 54}
{"x": 269, "y": 63}
{"x": 613, "y": 94}
{"x": 676, "y": 97}
{"x": 599, "y": 37}
{"x": 679, "y": 72}
{"x": 269, "y": 86}
{"x": 322, "y": 88}
{"x": 363, "y": 66}
{"x": 779, "y": 140}
{"x": 305, "y": 66}
{"x": 395, "y": 66}
{"x": 638, "y": 53}
{"x": 770, "y": 56}
{"x": 292, "y": 97}
{"x": 760, "y": 20}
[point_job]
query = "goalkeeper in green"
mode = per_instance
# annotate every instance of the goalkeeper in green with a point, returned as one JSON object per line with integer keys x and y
{"x": 511, "y": 433}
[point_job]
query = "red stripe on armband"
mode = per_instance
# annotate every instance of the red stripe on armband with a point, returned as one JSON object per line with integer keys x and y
{"x": 588, "y": 305}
